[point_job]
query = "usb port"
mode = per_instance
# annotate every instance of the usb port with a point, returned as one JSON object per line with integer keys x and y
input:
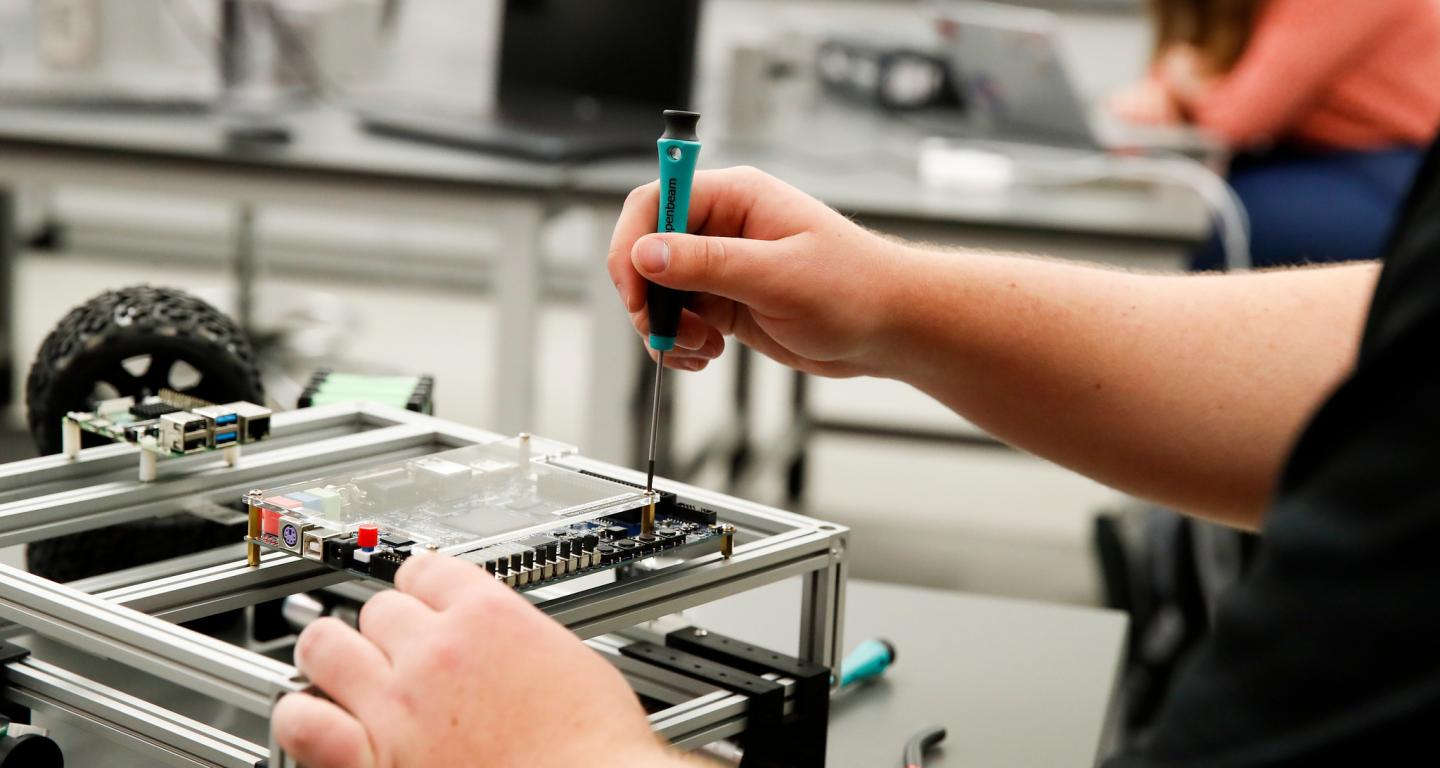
{"x": 223, "y": 419}
{"x": 228, "y": 436}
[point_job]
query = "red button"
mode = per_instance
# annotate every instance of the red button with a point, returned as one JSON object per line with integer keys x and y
{"x": 270, "y": 521}
{"x": 367, "y": 537}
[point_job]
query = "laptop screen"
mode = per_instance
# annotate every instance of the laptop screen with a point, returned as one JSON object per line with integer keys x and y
{"x": 616, "y": 52}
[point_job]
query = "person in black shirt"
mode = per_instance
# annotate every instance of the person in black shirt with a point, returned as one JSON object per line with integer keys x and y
{"x": 1289, "y": 402}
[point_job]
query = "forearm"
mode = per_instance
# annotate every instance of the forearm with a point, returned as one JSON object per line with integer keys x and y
{"x": 1183, "y": 389}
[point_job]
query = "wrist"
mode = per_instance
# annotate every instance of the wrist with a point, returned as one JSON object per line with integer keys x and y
{"x": 912, "y": 296}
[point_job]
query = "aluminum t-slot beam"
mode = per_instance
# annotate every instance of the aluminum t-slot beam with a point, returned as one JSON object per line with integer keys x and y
{"x": 699, "y": 713}
{"x": 116, "y": 501}
{"x": 43, "y": 496}
{"x": 169, "y": 738}
{"x": 99, "y": 627}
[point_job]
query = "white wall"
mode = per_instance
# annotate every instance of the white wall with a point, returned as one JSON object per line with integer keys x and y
{"x": 446, "y": 48}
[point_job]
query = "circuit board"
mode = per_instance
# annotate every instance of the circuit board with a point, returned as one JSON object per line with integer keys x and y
{"x": 172, "y": 424}
{"x": 502, "y": 505}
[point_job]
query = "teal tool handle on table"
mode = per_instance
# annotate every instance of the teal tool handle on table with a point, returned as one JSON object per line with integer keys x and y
{"x": 869, "y": 660}
{"x": 679, "y": 149}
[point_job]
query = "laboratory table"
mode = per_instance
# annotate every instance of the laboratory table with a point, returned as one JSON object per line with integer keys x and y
{"x": 857, "y": 163}
{"x": 1015, "y": 684}
{"x": 328, "y": 163}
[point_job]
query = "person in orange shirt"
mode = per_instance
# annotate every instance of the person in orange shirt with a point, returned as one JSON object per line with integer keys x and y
{"x": 1327, "y": 105}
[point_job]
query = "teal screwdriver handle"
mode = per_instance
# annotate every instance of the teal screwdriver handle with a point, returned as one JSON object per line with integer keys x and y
{"x": 679, "y": 149}
{"x": 869, "y": 660}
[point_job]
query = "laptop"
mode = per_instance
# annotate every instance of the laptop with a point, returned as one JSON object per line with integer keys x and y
{"x": 578, "y": 79}
{"x": 1008, "y": 64}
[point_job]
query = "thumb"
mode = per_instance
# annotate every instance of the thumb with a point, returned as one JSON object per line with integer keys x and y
{"x": 747, "y": 271}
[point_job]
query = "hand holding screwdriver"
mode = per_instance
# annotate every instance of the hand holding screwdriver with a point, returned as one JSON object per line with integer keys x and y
{"x": 768, "y": 264}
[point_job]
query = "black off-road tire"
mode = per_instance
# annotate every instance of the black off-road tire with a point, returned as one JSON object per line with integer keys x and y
{"x": 90, "y": 346}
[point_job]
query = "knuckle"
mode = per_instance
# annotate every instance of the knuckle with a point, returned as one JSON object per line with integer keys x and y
{"x": 714, "y": 259}
{"x": 290, "y": 730}
{"x": 295, "y": 726}
{"x": 446, "y": 649}
{"x": 637, "y": 194}
{"x": 374, "y": 608}
{"x": 316, "y": 638}
{"x": 485, "y": 600}
{"x": 754, "y": 176}
{"x": 613, "y": 259}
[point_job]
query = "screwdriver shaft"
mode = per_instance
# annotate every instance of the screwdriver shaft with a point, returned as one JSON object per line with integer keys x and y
{"x": 655, "y": 421}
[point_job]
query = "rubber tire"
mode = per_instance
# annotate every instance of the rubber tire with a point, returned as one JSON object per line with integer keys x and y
{"x": 86, "y": 348}
{"x": 30, "y": 751}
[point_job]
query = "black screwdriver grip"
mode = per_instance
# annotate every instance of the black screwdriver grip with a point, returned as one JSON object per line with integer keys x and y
{"x": 665, "y": 305}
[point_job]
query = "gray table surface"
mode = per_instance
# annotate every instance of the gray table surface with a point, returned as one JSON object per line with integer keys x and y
{"x": 1014, "y": 683}
{"x": 866, "y": 164}
{"x": 860, "y": 163}
{"x": 323, "y": 139}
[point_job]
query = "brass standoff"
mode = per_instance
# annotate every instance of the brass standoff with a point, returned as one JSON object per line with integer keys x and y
{"x": 252, "y": 546}
{"x": 647, "y": 514}
{"x": 727, "y": 541}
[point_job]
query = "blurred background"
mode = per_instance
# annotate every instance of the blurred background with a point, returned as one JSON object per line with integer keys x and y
{"x": 405, "y": 292}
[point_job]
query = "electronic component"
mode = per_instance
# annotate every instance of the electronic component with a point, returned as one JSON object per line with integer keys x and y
{"x": 183, "y": 432}
{"x": 152, "y": 410}
{"x": 253, "y": 420}
{"x": 172, "y": 424}
{"x": 414, "y": 393}
{"x": 501, "y": 505}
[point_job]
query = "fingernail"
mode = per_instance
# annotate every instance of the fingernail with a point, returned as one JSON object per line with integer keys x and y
{"x": 653, "y": 255}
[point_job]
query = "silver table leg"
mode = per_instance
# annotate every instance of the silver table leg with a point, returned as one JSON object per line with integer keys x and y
{"x": 9, "y": 255}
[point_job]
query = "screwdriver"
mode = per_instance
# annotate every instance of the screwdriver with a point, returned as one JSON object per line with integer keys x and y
{"x": 678, "y": 148}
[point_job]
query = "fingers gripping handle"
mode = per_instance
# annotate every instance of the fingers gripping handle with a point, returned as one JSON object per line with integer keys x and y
{"x": 679, "y": 149}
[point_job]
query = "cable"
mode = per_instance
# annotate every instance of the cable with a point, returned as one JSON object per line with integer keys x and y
{"x": 1219, "y": 197}
{"x": 921, "y": 743}
{"x": 1091, "y": 166}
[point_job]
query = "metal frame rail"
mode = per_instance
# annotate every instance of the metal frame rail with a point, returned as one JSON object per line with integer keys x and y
{"x": 126, "y": 617}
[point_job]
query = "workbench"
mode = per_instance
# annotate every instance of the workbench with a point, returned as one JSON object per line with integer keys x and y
{"x": 329, "y": 164}
{"x": 1016, "y": 684}
{"x": 332, "y": 164}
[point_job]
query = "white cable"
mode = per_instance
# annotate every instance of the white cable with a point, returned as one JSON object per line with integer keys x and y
{"x": 1219, "y": 197}
{"x": 980, "y": 166}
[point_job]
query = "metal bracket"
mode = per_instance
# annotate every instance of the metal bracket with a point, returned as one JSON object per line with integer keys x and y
{"x": 766, "y": 697}
{"x": 803, "y": 742}
{"x": 10, "y": 653}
